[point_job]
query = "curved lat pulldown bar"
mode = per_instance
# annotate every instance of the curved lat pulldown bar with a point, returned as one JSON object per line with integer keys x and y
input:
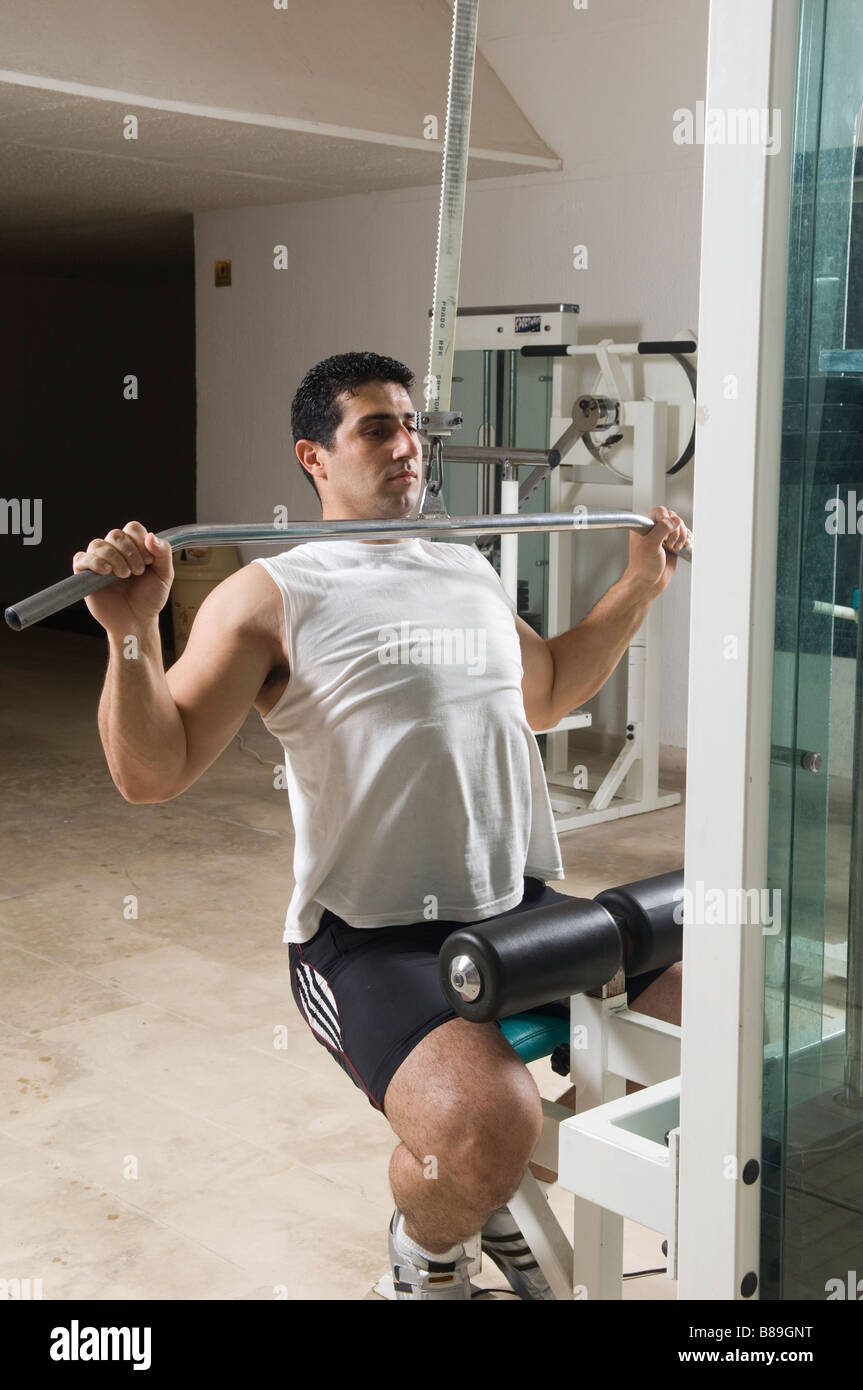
{"x": 77, "y": 586}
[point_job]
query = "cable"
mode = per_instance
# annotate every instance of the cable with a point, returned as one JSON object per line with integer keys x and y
{"x": 595, "y": 449}
{"x": 266, "y": 762}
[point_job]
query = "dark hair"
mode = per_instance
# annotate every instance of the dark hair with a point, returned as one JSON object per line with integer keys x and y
{"x": 315, "y": 411}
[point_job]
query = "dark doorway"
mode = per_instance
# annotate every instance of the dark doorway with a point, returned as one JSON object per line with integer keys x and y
{"x": 94, "y": 449}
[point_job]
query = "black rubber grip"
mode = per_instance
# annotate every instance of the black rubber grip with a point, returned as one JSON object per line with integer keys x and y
{"x": 536, "y": 350}
{"x": 685, "y": 345}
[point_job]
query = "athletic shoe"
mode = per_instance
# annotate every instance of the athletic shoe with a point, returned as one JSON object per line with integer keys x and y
{"x": 504, "y": 1243}
{"x": 416, "y": 1277}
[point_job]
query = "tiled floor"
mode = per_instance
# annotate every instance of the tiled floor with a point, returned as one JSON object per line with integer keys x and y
{"x": 168, "y": 1126}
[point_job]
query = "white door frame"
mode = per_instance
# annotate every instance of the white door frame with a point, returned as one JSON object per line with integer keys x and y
{"x": 751, "y": 64}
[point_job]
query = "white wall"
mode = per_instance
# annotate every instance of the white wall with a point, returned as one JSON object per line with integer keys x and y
{"x": 360, "y": 269}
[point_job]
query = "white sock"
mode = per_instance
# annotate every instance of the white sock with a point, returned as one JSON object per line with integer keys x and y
{"x": 411, "y": 1247}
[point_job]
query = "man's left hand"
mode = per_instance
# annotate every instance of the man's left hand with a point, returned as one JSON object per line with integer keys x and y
{"x": 652, "y": 561}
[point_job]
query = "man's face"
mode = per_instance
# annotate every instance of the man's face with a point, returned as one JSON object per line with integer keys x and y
{"x": 375, "y": 466}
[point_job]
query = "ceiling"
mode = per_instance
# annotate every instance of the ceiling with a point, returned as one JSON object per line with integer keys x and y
{"x": 236, "y": 106}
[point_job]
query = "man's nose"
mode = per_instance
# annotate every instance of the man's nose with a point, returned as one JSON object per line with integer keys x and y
{"x": 407, "y": 445}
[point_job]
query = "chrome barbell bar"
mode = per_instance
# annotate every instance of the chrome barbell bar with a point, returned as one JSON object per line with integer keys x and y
{"x": 77, "y": 586}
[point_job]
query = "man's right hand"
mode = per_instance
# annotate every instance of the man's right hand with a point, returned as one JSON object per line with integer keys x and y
{"x": 145, "y": 570}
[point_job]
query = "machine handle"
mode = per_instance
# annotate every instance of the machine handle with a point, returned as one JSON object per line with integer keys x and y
{"x": 549, "y": 350}
{"x": 673, "y": 348}
{"x": 68, "y": 591}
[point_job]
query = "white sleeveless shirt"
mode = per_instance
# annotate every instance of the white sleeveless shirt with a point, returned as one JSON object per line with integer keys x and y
{"x": 416, "y": 786}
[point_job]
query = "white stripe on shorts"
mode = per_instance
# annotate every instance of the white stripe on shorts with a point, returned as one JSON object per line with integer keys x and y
{"x": 319, "y": 1005}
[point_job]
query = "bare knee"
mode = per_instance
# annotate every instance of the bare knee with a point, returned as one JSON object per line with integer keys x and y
{"x": 486, "y": 1147}
{"x": 468, "y": 1109}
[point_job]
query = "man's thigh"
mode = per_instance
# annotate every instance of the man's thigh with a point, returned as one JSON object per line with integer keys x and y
{"x": 371, "y": 996}
{"x": 461, "y": 1077}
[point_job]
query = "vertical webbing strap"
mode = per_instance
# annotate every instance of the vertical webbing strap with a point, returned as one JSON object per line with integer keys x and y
{"x": 451, "y": 217}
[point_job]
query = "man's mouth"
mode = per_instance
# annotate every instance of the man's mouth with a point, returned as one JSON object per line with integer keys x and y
{"x": 405, "y": 473}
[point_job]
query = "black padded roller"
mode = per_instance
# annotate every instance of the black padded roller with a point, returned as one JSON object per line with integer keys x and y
{"x": 530, "y": 958}
{"x": 645, "y": 913}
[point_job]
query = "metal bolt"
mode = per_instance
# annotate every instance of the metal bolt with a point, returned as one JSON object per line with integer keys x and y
{"x": 464, "y": 978}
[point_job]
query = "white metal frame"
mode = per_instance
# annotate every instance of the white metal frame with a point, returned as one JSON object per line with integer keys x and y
{"x": 751, "y": 63}
{"x": 631, "y": 785}
{"x": 612, "y": 1153}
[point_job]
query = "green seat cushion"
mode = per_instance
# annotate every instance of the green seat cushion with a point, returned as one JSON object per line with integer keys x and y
{"x": 535, "y": 1035}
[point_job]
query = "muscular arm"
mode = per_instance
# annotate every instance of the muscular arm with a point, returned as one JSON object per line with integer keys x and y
{"x": 566, "y": 671}
{"x": 562, "y": 673}
{"x": 161, "y": 731}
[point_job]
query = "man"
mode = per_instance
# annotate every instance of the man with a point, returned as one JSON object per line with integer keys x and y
{"x": 403, "y": 688}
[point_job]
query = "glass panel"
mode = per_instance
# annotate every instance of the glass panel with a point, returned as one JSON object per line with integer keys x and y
{"x": 812, "y": 1195}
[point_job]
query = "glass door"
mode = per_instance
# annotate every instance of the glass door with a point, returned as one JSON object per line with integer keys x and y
{"x": 812, "y": 1192}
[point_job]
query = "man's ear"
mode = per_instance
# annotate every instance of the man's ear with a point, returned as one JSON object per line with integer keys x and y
{"x": 311, "y": 456}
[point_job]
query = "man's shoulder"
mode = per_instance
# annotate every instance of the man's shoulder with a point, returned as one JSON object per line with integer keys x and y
{"x": 248, "y": 598}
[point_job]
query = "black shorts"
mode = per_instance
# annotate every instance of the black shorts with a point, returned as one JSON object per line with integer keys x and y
{"x": 370, "y": 994}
